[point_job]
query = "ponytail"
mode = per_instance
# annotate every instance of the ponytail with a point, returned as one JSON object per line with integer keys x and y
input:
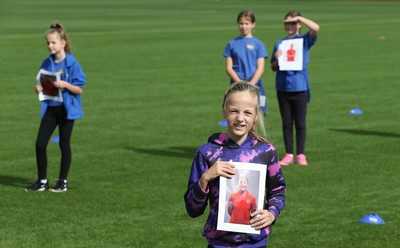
{"x": 58, "y": 28}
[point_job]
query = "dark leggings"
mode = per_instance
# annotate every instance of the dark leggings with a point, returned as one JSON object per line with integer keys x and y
{"x": 54, "y": 116}
{"x": 293, "y": 108}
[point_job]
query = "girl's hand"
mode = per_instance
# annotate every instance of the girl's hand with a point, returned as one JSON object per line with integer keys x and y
{"x": 220, "y": 168}
{"x": 38, "y": 89}
{"x": 278, "y": 53}
{"x": 61, "y": 84}
{"x": 261, "y": 219}
{"x": 292, "y": 19}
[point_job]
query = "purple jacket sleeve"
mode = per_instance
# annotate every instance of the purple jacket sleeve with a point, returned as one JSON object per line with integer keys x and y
{"x": 195, "y": 197}
{"x": 276, "y": 187}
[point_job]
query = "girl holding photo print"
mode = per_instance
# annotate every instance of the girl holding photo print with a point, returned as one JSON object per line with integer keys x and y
{"x": 56, "y": 113}
{"x": 241, "y": 143}
{"x": 293, "y": 88}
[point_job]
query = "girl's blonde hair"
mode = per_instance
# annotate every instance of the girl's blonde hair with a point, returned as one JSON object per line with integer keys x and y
{"x": 58, "y": 28}
{"x": 243, "y": 86}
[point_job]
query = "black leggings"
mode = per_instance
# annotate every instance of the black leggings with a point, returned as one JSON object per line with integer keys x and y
{"x": 293, "y": 108}
{"x": 54, "y": 116}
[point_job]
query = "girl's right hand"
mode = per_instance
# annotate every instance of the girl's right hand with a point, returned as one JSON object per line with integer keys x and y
{"x": 220, "y": 168}
{"x": 278, "y": 53}
{"x": 38, "y": 88}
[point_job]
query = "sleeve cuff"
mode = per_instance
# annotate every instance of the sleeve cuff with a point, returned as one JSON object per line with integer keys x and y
{"x": 199, "y": 193}
{"x": 275, "y": 211}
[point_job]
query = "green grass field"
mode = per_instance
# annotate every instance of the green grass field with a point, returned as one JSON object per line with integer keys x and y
{"x": 155, "y": 82}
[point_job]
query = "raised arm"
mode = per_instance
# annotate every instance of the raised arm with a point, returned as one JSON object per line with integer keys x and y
{"x": 313, "y": 26}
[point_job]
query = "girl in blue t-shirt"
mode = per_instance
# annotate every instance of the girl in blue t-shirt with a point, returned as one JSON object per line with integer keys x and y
{"x": 293, "y": 89}
{"x": 245, "y": 55}
{"x": 58, "y": 110}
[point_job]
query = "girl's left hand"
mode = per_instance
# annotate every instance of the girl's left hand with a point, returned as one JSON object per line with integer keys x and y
{"x": 60, "y": 84}
{"x": 261, "y": 219}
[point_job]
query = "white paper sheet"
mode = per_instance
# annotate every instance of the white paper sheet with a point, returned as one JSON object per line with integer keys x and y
{"x": 292, "y": 55}
{"x": 256, "y": 175}
{"x": 50, "y": 92}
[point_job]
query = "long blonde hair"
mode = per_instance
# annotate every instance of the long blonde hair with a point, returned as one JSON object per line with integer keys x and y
{"x": 243, "y": 86}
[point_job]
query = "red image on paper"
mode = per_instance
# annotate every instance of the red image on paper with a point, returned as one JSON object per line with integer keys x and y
{"x": 46, "y": 79}
{"x": 47, "y": 82}
{"x": 291, "y": 53}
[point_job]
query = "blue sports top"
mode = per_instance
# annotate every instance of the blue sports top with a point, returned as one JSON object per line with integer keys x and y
{"x": 295, "y": 81}
{"x": 221, "y": 147}
{"x": 73, "y": 74}
{"x": 245, "y": 52}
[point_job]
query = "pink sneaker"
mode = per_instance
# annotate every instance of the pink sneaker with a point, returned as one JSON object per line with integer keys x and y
{"x": 287, "y": 159}
{"x": 301, "y": 160}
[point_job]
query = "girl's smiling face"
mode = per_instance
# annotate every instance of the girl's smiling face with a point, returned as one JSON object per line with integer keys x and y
{"x": 242, "y": 185}
{"x": 241, "y": 113}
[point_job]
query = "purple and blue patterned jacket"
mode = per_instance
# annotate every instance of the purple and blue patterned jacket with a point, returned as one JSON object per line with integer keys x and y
{"x": 221, "y": 147}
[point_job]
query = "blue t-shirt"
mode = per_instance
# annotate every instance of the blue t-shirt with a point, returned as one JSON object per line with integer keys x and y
{"x": 295, "y": 81}
{"x": 244, "y": 53}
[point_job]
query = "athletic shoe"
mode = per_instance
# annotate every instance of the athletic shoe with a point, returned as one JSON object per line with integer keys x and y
{"x": 287, "y": 159}
{"x": 61, "y": 186}
{"x": 301, "y": 160}
{"x": 38, "y": 186}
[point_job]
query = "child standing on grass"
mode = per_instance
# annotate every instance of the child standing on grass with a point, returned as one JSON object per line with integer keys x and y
{"x": 241, "y": 143}
{"x": 61, "y": 114}
{"x": 293, "y": 88}
{"x": 245, "y": 56}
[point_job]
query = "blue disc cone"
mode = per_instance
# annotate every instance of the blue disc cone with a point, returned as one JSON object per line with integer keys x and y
{"x": 56, "y": 139}
{"x": 372, "y": 219}
{"x": 223, "y": 123}
{"x": 355, "y": 111}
